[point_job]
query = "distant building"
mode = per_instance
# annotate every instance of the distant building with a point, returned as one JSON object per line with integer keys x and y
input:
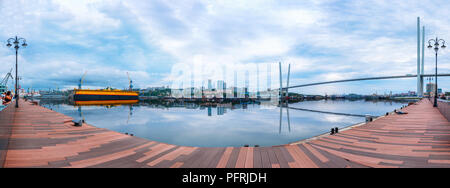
{"x": 431, "y": 88}
{"x": 154, "y": 88}
{"x": 210, "y": 86}
{"x": 353, "y": 96}
{"x": 220, "y": 85}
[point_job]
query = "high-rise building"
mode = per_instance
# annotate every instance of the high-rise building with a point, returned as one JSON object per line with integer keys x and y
{"x": 192, "y": 85}
{"x": 431, "y": 88}
{"x": 220, "y": 85}
{"x": 269, "y": 79}
{"x": 235, "y": 85}
{"x": 257, "y": 81}
{"x": 210, "y": 86}
{"x": 247, "y": 84}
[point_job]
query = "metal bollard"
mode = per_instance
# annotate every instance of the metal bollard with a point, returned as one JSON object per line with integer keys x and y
{"x": 77, "y": 123}
{"x": 332, "y": 131}
{"x": 336, "y": 130}
{"x": 369, "y": 118}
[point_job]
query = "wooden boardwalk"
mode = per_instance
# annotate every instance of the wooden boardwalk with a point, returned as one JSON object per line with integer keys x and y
{"x": 44, "y": 138}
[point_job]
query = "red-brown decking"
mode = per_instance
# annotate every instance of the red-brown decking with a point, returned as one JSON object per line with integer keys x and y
{"x": 40, "y": 138}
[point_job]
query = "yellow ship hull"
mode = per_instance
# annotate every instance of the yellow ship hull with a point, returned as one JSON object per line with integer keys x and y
{"x": 103, "y": 95}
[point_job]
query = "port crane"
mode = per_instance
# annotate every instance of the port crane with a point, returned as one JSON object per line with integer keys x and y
{"x": 81, "y": 80}
{"x": 130, "y": 82}
{"x": 5, "y": 80}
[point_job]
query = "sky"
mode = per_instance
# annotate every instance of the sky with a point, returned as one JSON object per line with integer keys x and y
{"x": 169, "y": 43}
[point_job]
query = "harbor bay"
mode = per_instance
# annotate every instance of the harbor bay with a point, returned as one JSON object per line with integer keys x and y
{"x": 224, "y": 125}
{"x": 252, "y": 85}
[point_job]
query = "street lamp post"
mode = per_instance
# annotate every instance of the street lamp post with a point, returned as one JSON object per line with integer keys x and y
{"x": 16, "y": 42}
{"x": 436, "y": 49}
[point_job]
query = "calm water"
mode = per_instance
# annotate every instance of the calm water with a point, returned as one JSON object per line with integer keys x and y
{"x": 237, "y": 125}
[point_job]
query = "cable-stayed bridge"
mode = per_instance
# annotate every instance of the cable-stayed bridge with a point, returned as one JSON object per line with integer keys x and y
{"x": 368, "y": 78}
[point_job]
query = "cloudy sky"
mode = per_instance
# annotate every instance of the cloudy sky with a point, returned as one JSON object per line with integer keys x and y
{"x": 156, "y": 40}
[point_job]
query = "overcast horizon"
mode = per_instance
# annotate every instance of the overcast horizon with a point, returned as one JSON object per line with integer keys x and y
{"x": 153, "y": 41}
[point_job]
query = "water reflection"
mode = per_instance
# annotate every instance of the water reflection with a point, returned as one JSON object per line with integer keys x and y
{"x": 286, "y": 105}
{"x": 107, "y": 103}
{"x": 221, "y": 125}
{"x": 130, "y": 113}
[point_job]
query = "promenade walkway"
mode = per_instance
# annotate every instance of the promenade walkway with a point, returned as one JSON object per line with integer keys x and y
{"x": 44, "y": 138}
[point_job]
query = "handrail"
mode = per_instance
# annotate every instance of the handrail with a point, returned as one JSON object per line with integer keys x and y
{"x": 444, "y": 108}
{"x": 325, "y": 112}
{"x": 6, "y": 122}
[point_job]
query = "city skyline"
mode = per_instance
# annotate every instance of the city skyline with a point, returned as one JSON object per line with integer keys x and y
{"x": 153, "y": 40}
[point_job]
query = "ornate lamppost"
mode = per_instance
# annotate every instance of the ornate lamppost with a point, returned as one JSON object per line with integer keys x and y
{"x": 436, "y": 49}
{"x": 16, "y": 42}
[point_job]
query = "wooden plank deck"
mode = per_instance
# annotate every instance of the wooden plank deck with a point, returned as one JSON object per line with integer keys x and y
{"x": 43, "y": 138}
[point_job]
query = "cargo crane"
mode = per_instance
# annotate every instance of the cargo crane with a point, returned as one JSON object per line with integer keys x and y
{"x": 4, "y": 83}
{"x": 130, "y": 82}
{"x": 81, "y": 80}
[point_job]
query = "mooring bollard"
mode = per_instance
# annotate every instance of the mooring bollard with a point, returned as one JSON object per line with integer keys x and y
{"x": 77, "y": 123}
{"x": 332, "y": 131}
{"x": 336, "y": 130}
{"x": 368, "y": 118}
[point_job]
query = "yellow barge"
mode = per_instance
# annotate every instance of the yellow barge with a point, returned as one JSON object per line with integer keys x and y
{"x": 103, "y": 95}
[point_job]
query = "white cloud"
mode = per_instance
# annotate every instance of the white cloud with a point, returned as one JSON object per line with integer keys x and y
{"x": 323, "y": 40}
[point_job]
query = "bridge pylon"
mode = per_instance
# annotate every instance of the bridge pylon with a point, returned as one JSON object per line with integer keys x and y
{"x": 419, "y": 84}
{"x": 420, "y": 59}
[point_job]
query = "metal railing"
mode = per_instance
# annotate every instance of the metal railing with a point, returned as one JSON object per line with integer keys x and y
{"x": 6, "y": 121}
{"x": 444, "y": 108}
